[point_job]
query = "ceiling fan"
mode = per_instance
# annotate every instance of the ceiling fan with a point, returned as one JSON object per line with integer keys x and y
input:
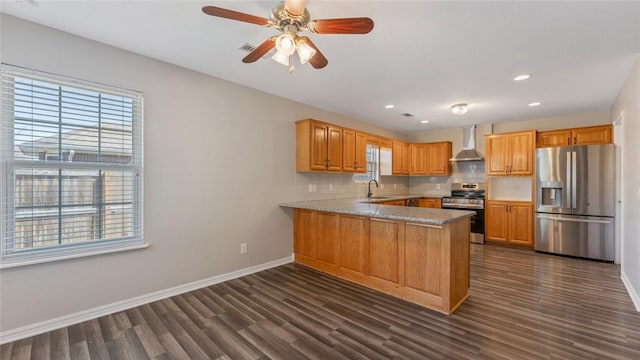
{"x": 291, "y": 17}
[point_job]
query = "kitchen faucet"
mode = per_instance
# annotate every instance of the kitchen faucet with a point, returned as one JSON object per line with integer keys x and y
{"x": 369, "y": 193}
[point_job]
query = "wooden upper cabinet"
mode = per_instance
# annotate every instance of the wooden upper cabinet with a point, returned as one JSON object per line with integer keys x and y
{"x": 361, "y": 153}
{"x": 510, "y": 154}
{"x": 318, "y": 146}
{"x": 405, "y": 159}
{"x": 439, "y": 155}
{"x": 553, "y": 138}
{"x": 354, "y": 151}
{"x": 334, "y": 148}
{"x": 399, "y": 158}
{"x": 418, "y": 159}
{"x": 593, "y": 135}
{"x": 577, "y": 136}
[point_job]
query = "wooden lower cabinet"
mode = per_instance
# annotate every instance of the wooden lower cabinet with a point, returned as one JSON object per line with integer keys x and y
{"x": 424, "y": 264}
{"x": 354, "y": 245}
{"x": 509, "y": 222}
{"x": 430, "y": 203}
{"x": 385, "y": 249}
{"x": 392, "y": 202}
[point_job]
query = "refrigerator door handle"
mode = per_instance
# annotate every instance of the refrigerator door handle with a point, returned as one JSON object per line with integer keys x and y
{"x": 574, "y": 182}
{"x": 557, "y": 218}
{"x": 567, "y": 198}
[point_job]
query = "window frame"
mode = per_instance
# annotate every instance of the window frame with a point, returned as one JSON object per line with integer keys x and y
{"x": 9, "y": 169}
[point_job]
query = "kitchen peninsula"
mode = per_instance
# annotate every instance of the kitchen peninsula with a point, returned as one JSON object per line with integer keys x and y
{"x": 417, "y": 254}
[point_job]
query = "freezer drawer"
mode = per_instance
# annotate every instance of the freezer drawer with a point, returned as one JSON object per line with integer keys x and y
{"x": 583, "y": 236}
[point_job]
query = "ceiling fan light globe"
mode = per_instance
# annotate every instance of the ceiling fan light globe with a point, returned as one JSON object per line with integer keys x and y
{"x": 285, "y": 44}
{"x": 281, "y": 58}
{"x": 305, "y": 52}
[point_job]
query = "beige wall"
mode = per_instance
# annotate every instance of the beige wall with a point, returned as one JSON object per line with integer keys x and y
{"x": 628, "y": 102}
{"x": 215, "y": 172}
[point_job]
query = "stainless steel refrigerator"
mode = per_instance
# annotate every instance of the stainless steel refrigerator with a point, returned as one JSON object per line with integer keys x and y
{"x": 575, "y": 199}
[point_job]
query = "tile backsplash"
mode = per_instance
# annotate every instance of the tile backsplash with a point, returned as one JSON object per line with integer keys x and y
{"x": 468, "y": 171}
{"x": 317, "y": 186}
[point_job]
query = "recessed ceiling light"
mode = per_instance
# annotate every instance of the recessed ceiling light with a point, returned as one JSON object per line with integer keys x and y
{"x": 535, "y": 103}
{"x": 522, "y": 77}
{"x": 390, "y": 106}
{"x": 424, "y": 122}
{"x": 459, "y": 109}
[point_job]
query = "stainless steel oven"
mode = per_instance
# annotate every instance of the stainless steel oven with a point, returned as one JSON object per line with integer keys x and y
{"x": 468, "y": 196}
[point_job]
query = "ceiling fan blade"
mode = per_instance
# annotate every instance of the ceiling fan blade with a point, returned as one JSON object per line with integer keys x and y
{"x": 318, "y": 61}
{"x": 295, "y": 7}
{"x": 361, "y": 25}
{"x": 260, "y": 50}
{"x": 235, "y": 15}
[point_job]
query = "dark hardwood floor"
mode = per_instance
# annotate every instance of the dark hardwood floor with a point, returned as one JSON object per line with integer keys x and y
{"x": 522, "y": 305}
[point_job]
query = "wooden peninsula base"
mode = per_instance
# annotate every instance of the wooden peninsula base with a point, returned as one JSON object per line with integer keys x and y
{"x": 421, "y": 263}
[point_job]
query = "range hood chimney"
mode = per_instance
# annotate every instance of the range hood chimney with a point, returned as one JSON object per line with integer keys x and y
{"x": 468, "y": 152}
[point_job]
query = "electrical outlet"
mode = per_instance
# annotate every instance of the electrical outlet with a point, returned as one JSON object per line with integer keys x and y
{"x": 243, "y": 248}
{"x": 312, "y": 187}
{"x": 395, "y": 186}
{"x": 437, "y": 186}
{"x": 638, "y": 194}
{"x": 330, "y": 187}
{"x": 381, "y": 186}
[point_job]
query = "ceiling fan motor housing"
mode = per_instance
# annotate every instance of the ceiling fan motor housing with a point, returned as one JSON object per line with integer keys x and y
{"x": 281, "y": 19}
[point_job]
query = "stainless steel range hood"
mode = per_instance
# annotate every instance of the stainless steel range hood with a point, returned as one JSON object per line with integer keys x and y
{"x": 468, "y": 152}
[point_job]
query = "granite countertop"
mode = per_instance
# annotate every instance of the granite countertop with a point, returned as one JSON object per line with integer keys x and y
{"x": 368, "y": 207}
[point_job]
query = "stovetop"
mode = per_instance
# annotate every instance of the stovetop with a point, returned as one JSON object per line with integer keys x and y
{"x": 465, "y": 195}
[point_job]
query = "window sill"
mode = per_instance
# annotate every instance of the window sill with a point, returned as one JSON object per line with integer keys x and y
{"x": 71, "y": 256}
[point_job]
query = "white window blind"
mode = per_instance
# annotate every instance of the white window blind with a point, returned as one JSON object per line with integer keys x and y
{"x": 72, "y": 169}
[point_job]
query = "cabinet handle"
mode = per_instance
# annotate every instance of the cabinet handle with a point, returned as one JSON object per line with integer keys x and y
{"x": 575, "y": 140}
{"x": 569, "y": 140}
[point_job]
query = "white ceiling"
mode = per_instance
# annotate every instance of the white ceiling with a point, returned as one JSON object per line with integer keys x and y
{"x": 421, "y": 56}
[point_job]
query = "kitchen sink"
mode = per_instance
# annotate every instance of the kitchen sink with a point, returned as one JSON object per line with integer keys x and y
{"x": 382, "y": 197}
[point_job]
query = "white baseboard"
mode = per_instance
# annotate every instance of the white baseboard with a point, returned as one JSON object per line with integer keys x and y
{"x": 71, "y": 319}
{"x": 632, "y": 292}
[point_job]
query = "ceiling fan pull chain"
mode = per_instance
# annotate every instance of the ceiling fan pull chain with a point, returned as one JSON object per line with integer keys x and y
{"x": 291, "y": 67}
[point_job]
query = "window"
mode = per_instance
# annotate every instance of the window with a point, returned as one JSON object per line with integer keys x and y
{"x": 372, "y": 166}
{"x": 72, "y": 167}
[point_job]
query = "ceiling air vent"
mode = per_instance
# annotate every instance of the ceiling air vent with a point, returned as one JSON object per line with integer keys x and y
{"x": 407, "y": 115}
{"x": 247, "y": 47}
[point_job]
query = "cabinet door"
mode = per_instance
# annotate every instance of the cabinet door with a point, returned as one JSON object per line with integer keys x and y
{"x": 304, "y": 240}
{"x": 328, "y": 238}
{"x": 354, "y": 244}
{"x": 348, "y": 150}
{"x": 521, "y": 224}
{"x": 361, "y": 153}
{"x": 427, "y": 203}
{"x": 592, "y": 135}
{"x": 521, "y": 152}
{"x": 405, "y": 159}
{"x": 439, "y": 155}
{"x": 424, "y": 256}
{"x": 553, "y": 138}
{"x": 496, "y": 225}
{"x": 396, "y": 158}
{"x": 334, "y": 148}
{"x": 318, "y": 146}
{"x": 497, "y": 154}
{"x": 385, "y": 248}
{"x": 417, "y": 158}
